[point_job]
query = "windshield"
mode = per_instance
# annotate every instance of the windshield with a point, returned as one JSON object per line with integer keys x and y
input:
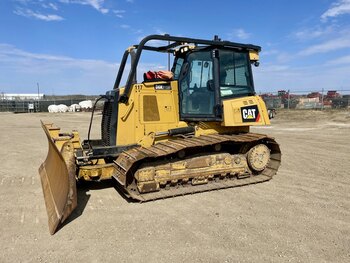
{"x": 235, "y": 78}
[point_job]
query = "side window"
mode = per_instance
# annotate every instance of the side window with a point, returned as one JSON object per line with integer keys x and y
{"x": 197, "y": 98}
{"x": 177, "y": 67}
{"x": 235, "y": 76}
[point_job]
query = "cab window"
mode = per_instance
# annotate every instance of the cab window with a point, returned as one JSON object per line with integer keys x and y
{"x": 197, "y": 96}
{"x": 235, "y": 79}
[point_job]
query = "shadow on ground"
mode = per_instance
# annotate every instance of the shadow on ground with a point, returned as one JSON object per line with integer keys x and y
{"x": 83, "y": 197}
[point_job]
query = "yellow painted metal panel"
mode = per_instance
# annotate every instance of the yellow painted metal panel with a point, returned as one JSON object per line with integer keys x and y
{"x": 132, "y": 124}
{"x": 247, "y": 111}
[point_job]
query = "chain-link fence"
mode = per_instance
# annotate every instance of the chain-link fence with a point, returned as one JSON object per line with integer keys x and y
{"x": 288, "y": 99}
{"x": 24, "y": 105}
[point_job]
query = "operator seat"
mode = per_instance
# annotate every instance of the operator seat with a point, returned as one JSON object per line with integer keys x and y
{"x": 202, "y": 99}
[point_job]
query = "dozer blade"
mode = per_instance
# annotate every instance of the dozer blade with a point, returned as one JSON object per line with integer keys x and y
{"x": 57, "y": 174}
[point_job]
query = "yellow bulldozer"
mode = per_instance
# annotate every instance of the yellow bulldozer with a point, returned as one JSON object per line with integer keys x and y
{"x": 174, "y": 133}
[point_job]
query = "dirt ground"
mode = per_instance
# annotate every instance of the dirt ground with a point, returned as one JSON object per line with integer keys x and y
{"x": 302, "y": 215}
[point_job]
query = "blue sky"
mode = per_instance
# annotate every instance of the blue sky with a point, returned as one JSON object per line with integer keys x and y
{"x": 75, "y": 46}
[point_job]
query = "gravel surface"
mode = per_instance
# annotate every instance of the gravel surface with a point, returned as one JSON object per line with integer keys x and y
{"x": 302, "y": 215}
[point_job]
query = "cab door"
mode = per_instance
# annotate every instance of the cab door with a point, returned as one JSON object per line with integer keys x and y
{"x": 196, "y": 87}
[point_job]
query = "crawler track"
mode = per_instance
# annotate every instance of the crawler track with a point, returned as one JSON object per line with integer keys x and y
{"x": 131, "y": 161}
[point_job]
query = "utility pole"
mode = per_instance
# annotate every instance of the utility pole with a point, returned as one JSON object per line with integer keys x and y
{"x": 38, "y": 97}
{"x": 322, "y": 99}
{"x": 168, "y": 53}
{"x": 168, "y": 58}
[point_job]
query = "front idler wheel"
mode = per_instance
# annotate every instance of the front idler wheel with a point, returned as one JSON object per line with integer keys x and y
{"x": 258, "y": 157}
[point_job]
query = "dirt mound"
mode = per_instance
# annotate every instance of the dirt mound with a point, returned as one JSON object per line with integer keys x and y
{"x": 342, "y": 116}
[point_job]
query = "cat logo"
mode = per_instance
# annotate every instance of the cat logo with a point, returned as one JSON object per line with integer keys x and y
{"x": 250, "y": 114}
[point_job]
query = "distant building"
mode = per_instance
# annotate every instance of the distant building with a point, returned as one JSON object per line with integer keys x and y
{"x": 331, "y": 94}
{"x": 34, "y": 96}
{"x": 314, "y": 95}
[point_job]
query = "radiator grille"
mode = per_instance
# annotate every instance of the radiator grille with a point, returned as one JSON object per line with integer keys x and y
{"x": 106, "y": 123}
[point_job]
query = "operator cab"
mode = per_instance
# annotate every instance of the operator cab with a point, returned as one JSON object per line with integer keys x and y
{"x": 206, "y": 76}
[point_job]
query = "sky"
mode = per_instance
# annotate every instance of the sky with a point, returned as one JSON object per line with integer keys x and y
{"x": 75, "y": 46}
